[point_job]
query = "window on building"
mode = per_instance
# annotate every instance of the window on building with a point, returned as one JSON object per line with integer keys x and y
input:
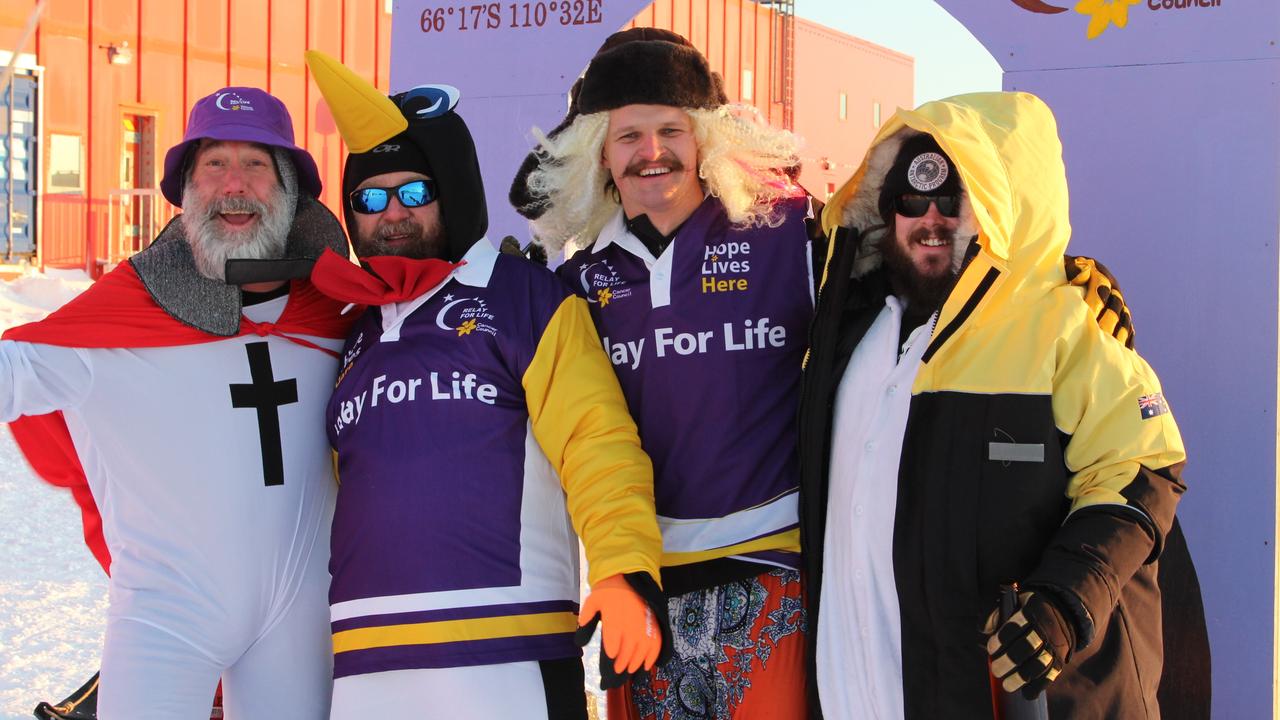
{"x": 66, "y": 164}
{"x": 844, "y": 106}
{"x": 748, "y": 85}
{"x": 875, "y": 114}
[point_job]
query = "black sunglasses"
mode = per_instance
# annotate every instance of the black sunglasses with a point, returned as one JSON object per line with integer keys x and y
{"x": 412, "y": 194}
{"x": 914, "y": 206}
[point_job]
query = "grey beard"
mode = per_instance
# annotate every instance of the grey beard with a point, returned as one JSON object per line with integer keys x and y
{"x": 212, "y": 245}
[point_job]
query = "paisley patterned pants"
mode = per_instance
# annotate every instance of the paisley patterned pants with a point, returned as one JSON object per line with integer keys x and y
{"x": 739, "y": 653}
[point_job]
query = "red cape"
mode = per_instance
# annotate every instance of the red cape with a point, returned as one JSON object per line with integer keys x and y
{"x": 118, "y": 312}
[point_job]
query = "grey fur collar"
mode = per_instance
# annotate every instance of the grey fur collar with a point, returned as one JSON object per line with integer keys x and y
{"x": 168, "y": 270}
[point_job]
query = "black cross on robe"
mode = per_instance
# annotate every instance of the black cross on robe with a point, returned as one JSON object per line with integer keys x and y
{"x": 266, "y": 395}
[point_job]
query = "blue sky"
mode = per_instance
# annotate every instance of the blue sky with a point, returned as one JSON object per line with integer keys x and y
{"x": 948, "y": 58}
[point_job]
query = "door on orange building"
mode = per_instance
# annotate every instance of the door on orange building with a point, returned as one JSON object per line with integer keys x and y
{"x": 136, "y": 204}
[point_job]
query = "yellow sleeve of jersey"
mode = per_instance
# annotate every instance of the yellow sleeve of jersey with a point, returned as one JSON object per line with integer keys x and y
{"x": 581, "y": 421}
{"x": 1124, "y": 447}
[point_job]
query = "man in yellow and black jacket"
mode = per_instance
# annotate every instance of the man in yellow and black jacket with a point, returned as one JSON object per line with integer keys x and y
{"x": 966, "y": 424}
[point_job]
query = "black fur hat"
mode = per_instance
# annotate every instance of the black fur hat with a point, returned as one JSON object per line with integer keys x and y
{"x": 640, "y": 65}
{"x": 649, "y": 72}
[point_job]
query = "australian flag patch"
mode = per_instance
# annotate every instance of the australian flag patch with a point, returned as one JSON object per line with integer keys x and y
{"x": 1152, "y": 405}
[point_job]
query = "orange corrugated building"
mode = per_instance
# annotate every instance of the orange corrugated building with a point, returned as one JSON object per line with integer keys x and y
{"x": 102, "y": 87}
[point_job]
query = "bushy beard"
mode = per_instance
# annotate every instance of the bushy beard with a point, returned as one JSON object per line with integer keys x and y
{"x": 924, "y": 292}
{"x": 423, "y": 244}
{"x": 213, "y": 243}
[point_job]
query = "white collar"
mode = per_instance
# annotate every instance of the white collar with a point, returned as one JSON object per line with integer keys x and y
{"x": 615, "y": 231}
{"x": 479, "y": 264}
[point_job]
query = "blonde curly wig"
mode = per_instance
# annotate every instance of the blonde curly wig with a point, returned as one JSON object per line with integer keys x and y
{"x": 741, "y": 160}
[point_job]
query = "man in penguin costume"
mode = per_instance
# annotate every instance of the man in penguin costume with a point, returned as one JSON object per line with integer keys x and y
{"x": 477, "y": 427}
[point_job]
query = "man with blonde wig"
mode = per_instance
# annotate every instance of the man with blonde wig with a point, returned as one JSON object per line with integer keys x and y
{"x": 697, "y": 265}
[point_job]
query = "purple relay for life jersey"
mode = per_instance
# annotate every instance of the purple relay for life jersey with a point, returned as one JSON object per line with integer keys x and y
{"x": 451, "y": 542}
{"x": 707, "y": 341}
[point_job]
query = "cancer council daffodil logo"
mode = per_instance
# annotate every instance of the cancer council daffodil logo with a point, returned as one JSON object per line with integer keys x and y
{"x": 1103, "y": 13}
{"x": 603, "y": 296}
{"x": 466, "y": 327}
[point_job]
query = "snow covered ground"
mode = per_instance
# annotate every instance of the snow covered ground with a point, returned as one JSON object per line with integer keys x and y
{"x": 35, "y": 295}
{"x": 53, "y": 595}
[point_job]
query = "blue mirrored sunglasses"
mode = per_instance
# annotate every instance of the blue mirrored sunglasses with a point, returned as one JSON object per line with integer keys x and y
{"x": 415, "y": 193}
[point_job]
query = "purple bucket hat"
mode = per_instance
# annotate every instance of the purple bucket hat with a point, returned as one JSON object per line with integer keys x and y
{"x": 238, "y": 113}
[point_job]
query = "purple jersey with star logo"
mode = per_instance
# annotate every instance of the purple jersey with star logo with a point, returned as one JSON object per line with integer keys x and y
{"x": 707, "y": 341}
{"x": 451, "y": 542}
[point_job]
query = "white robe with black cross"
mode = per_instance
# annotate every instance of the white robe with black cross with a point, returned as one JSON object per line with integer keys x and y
{"x": 211, "y": 470}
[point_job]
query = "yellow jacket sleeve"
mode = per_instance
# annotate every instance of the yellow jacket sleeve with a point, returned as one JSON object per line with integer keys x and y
{"x": 1110, "y": 404}
{"x": 1126, "y": 456}
{"x": 580, "y": 420}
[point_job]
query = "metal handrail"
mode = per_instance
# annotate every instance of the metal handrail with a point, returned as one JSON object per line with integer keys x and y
{"x": 153, "y": 213}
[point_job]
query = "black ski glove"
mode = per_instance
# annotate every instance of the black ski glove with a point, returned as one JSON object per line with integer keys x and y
{"x": 1030, "y": 649}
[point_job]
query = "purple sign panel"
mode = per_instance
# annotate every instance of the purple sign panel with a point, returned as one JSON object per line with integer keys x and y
{"x": 1168, "y": 112}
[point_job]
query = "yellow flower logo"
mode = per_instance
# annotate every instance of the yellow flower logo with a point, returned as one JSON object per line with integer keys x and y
{"x": 603, "y": 296}
{"x": 1103, "y": 13}
{"x": 466, "y": 327}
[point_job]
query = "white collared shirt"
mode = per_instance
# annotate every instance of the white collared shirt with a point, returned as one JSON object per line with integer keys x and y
{"x": 859, "y": 639}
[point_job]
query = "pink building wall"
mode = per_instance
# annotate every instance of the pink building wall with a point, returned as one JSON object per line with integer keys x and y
{"x": 830, "y": 64}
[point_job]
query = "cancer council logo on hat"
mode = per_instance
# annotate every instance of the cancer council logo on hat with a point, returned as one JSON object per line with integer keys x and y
{"x": 238, "y": 114}
{"x": 231, "y": 100}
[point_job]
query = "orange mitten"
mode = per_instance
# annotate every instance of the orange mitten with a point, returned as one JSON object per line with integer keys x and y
{"x": 631, "y": 636}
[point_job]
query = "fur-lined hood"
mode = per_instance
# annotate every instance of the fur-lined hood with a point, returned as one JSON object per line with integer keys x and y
{"x": 1006, "y": 149}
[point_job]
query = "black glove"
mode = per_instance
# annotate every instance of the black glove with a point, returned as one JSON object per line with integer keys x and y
{"x": 1103, "y": 296}
{"x": 532, "y": 251}
{"x": 79, "y": 705}
{"x": 1030, "y": 649}
{"x": 648, "y": 591}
